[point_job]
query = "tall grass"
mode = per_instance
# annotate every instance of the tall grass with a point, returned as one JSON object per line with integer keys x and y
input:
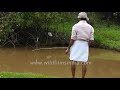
{"x": 108, "y": 37}
{"x": 107, "y": 34}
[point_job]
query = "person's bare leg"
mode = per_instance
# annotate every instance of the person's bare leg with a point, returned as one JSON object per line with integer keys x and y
{"x": 84, "y": 69}
{"x": 73, "y": 68}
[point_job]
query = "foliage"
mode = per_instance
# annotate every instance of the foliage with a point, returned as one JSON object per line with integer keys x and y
{"x": 111, "y": 16}
{"x": 11, "y": 20}
{"x": 38, "y": 21}
{"x": 106, "y": 29}
{"x": 108, "y": 37}
{"x": 21, "y": 75}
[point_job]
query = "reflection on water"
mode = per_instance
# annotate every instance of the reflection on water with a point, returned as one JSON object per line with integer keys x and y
{"x": 54, "y": 62}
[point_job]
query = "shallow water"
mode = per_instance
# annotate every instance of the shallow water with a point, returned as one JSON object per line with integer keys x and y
{"x": 55, "y": 63}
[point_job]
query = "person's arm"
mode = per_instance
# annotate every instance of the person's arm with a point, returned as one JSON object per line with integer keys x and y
{"x": 70, "y": 44}
{"x": 73, "y": 38}
{"x": 91, "y": 41}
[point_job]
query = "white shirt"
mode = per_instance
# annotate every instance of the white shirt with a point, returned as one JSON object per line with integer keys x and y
{"x": 82, "y": 30}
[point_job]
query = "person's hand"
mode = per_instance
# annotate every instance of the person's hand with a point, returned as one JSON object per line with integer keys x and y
{"x": 67, "y": 50}
{"x": 91, "y": 43}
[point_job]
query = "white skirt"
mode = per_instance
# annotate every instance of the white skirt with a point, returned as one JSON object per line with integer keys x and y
{"x": 79, "y": 51}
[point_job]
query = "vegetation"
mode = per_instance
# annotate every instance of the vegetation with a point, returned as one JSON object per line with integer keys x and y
{"x": 21, "y": 75}
{"x": 107, "y": 33}
{"x": 27, "y": 28}
{"x": 108, "y": 38}
{"x": 19, "y": 27}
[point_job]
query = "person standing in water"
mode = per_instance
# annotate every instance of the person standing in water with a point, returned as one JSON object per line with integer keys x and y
{"x": 81, "y": 38}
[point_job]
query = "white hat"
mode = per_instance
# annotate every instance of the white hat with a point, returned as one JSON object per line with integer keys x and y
{"x": 83, "y": 15}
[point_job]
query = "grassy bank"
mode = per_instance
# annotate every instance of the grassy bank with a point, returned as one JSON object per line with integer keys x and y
{"x": 21, "y": 75}
{"x": 107, "y": 37}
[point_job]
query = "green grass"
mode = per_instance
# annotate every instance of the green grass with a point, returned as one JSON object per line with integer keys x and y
{"x": 108, "y": 37}
{"x": 21, "y": 75}
{"x": 63, "y": 26}
{"x": 105, "y": 37}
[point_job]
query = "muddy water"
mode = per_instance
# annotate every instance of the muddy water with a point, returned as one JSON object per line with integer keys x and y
{"x": 55, "y": 63}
